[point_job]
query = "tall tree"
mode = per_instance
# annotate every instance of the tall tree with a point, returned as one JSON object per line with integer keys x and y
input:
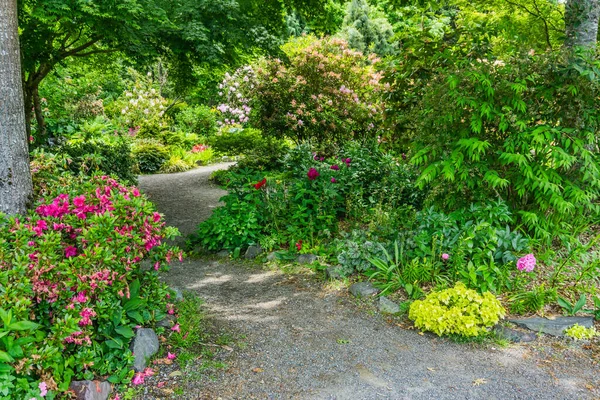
{"x": 581, "y": 23}
{"x": 15, "y": 176}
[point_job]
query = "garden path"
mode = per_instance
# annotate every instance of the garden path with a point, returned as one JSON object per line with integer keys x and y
{"x": 303, "y": 340}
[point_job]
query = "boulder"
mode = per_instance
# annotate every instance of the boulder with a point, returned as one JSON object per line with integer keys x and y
{"x": 91, "y": 390}
{"x": 363, "y": 289}
{"x": 167, "y": 322}
{"x": 252, "y": 252}
{"x": 223, "y": 254}
{"x": 178, "y": 293}
{"x": 387, "y": 306}
{"x": 514, "y": 335}
{"x": 333, "y": 273}
{"x": 145, "y": 344}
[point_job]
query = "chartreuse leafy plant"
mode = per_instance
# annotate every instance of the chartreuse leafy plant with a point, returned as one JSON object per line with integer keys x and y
{"x": 456, "y": 311}
{"x": 72, "y": 289}
{"x": 579, "y": 332}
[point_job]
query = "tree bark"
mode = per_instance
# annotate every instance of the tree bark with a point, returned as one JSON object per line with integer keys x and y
{"x": 15, "y": 175}
{"x": 581, "y": 23}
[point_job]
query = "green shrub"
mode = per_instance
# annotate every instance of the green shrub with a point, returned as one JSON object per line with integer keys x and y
{"x": 456, "y": 311}
{"x": 200, "y": 120}
{"x": 235, "y": 141}
{"x": 523, "y": 129}
{"x": 579, "y": 332}
{"x": 72, "y": 287}
{"x": 354, "y": 250}
{"x": 181, "y": 139}
{"x": 150, "y": 155}
{"x": 107, "y": 154}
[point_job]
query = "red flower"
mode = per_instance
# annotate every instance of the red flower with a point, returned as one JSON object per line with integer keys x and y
{"x": 299, "y": 245}
{"x": 260, "y": 184}
{"x": 312, "y": 174}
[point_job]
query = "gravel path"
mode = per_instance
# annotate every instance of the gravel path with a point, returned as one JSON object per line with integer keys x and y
{"x": 304, "y": 341}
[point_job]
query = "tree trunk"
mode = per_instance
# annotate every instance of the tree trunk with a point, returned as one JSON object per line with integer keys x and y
{"x": 15, "y": 176}
{"x": 581, "y": 23}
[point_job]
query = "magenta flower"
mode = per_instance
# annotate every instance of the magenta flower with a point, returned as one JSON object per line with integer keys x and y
{"x": 138, "y": 379}
{"x": 526, "y": 263}
{"x": 335, "y": 167}
{"x": 312, "y": 174}
{"x": 171, "y": 356}
{"x": 445, "y": 256}
{"x": 79, "y": 201}
{"x": 70, "y": 251}
{"x": 333, "y": 180}
{"x": 176, "y": 328}
{"x": 148, "y": 372}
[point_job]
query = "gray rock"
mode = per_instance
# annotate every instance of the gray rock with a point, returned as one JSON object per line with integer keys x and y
{"x": 554, "y": 327}
{"x": 252, "y": 252}
{"x": 387, "y": 306}
{"x": 178, "y": 293}
{"x": 514, "y": 335}
{"x": 272, "y": 256}
{"x": 363, "y": 289}
{"x": 306, "y": 258}
{"x": 333, "y": 273}
{"x": 91, "y": 390}
{"x": 167, "y": 322}
{"x": 144, "y": 345}
{"x": 223, "y": 254}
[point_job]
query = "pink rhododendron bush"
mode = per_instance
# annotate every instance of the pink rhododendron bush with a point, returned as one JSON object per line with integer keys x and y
{"x": 72, "y": 286}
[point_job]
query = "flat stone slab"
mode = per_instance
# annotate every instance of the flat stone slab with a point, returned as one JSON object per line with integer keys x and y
{"x": 145, "y": 345}
{"x": 514, "y": 335}
{"x": 554, "y": 327}
{"x": 363, "y": 289}
{"x": 387, "y": 306}
{"x": 91, "y": 390}
{"x": 333, "y": 273}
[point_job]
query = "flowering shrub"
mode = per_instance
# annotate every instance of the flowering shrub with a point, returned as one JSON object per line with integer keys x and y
{"x": 458, "y": 311}
{"x": 73, "y": 289}
{"x": 327, "y": 93}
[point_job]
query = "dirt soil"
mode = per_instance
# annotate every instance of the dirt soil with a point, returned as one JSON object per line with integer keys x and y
{"x": 297, "y": 338}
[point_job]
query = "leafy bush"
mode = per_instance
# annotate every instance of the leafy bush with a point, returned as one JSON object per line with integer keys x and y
{"x": 523, "y": 129}
{"x": 72, "y": 286}
{"x": 579, "y": 332}
{"x": 200, "y": 120}
{"x": 150, "y": 155}
{"x": 235, "y": 141}
{"x": 456, "y": 311}
{"x": 108, "y": 154}
{"x": 354, "y": 250}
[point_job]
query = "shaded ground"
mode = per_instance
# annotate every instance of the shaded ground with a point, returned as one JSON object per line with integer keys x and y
{"x": 302, "y": 341}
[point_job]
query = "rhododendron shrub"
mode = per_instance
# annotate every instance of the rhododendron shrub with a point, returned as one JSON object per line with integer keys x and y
{"x": 72, "y": 288}
{"x": 327, "y": 93}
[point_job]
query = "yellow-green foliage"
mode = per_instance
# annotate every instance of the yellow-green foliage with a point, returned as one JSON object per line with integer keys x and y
{"x": 458, "y": 310}
{"x": 579, "y": 332}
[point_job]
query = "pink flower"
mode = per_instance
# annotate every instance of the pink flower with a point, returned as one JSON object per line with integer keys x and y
{"x": 312, "y": 174}
{"x": 43, "y": 389}
{"x": 526, "y": 263}
{"x": 135, "y": 192}
{"x": 171, "y": 356}
{"x": 80, "y": 298}
{"x": 157, "y": 266}
{"x": 335, "y": 167}
{"x": 138, "y": 379}
{"x": 161, "y": 384}
{"x": 70, "y": 251}
{"x": 176, "y": 328}
{"x": 79, "y": 201}
{"x": 156, "y": 217}
{"x": 445, "y": 256}
{"x": 117, "y": 397}
{"x": 333, "y": 180}
{"x": 31, "y": 243}
{"x": 148, "y": 372}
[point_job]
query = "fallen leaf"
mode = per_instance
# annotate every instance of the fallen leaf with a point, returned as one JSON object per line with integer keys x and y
{"x": 227, "y": 348}
{"x": 431, "y": 369}
{"x": 480, "y": 381}
{"x": 175, "y": 374}
{"x": 258, "y": 370}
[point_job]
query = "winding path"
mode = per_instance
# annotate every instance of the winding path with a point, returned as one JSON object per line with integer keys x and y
{"x": 304, "y": 341}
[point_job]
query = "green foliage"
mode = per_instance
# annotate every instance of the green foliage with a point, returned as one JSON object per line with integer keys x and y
{"x": 572, "y": 309}
{"x": 235, "y": 141}
{"x": 532, "y": 300}
{"x": 150, "y": 156}
{"x": 354, "y": 249}
{"x": 367, "y": 30}
{"x": 579, "y": 332}
{"x": 521, "y": 129}
{"x": 458, "y": 311}
{"x": 108, "y": 154}
{"x": 200, "y": 120}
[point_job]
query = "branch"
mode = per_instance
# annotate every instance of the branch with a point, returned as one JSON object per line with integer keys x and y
{"x": 104, "y": 51}
{"x": 538, "y": 16}
{"x": 76, "y": 50}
